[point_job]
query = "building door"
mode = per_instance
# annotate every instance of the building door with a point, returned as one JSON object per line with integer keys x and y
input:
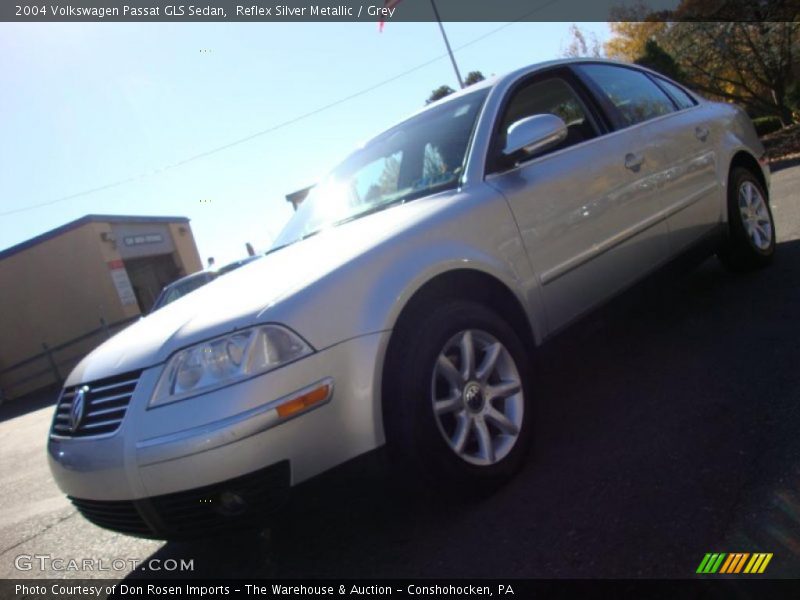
{"x": 149, "y": 275}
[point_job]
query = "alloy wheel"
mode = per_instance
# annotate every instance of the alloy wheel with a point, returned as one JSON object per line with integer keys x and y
{"x": 477, "y": 397}
{"x": 755, "y": 216}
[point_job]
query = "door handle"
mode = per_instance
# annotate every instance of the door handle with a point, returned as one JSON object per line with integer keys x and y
{"x": 633, "y": 161}
{"x": 701, "y": 133}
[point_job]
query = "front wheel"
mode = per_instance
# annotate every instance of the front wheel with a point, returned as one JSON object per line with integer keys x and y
{"x": 457, "y": 406}
{"x": 751, "y": 229}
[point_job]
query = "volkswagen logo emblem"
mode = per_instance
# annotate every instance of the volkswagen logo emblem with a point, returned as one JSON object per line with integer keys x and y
{"x": 473, "y": 397}
{"x": 78, "y": 406}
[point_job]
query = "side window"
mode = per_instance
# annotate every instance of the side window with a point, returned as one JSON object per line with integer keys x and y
{"x": 682, "y": 99}
{"x": 549, "y": 96}
{"x": 634, "y": 95}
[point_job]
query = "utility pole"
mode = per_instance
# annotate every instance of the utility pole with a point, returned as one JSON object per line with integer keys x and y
{"x": 447, "y": 43}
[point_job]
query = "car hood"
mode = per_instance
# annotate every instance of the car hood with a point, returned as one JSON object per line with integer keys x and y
{"x": 244, "y": 297}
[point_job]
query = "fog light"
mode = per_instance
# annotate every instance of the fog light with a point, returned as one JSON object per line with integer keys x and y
{"x": 232, "y": 503}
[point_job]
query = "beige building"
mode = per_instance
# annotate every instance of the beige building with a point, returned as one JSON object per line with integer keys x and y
{"x": 66, "y": 290}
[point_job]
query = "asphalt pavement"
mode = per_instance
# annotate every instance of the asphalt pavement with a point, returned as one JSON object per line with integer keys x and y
{"x": 667, "y": 427}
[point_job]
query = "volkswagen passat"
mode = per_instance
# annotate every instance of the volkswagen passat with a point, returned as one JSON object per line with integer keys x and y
{"x": 401, "y": 303}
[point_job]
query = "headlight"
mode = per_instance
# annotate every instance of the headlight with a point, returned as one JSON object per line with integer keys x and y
{"x": 227, "y": 359}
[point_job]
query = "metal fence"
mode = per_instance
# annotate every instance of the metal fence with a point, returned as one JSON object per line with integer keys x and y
{"x": 53, "y": 363}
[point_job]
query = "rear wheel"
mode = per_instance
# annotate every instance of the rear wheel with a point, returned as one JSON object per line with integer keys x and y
{"x": 457, "y": 405}
{"x": 751, "y": 229}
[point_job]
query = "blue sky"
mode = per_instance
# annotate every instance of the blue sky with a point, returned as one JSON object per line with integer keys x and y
{"x": 86, "y": 105}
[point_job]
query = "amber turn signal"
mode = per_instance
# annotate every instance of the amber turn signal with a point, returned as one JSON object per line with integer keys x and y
{"x": 304, "y": 402}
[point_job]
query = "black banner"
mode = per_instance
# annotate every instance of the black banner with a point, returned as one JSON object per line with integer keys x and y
{"x": 402, "y": 11}
{"x": 739, "y": 587}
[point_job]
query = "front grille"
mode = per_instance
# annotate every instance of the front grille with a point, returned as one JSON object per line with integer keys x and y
{"x": 197, "y": 512}
{"x": 104, "y": 404}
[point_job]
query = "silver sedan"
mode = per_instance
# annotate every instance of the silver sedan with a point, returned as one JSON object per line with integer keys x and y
{"x": 403, "y": 303}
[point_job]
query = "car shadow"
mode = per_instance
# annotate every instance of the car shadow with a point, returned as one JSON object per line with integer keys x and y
{"x": 10, "y": 409}
{"x": 666, "y": 422}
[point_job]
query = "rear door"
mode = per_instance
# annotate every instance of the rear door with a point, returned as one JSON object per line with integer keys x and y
{"x": 692, "y": 193}
{"x": 587, "y": 209}
{"x": 677, "y": 132}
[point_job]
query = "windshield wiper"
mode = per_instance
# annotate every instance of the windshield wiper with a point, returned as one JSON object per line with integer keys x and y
{"x": 413, "y": 195}
{"x": 369, "y": 211}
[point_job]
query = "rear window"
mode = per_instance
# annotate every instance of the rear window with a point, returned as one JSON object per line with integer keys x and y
{"x": 634, "y": 95}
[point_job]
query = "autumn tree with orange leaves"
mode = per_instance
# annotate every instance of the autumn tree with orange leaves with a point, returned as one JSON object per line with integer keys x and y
{"x": 747, "y": 53}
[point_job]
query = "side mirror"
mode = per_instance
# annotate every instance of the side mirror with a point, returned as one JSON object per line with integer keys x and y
{"x": 533, "y": 134}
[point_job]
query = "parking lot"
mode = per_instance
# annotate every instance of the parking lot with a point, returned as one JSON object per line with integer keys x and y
{"x": 667, "y": 427}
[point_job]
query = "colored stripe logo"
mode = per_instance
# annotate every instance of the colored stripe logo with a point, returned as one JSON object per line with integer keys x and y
{"x": 734, "y": 563}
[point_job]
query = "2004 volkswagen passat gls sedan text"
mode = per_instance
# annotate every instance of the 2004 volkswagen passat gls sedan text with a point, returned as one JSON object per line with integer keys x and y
{"x": 403, "y": 301}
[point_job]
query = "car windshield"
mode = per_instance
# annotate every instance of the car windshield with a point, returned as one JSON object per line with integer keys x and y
{"x": 181, "y": 288}
{"x": 421, "y": 156}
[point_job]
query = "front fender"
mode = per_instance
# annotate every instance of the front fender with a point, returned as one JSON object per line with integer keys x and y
{"x": 473, "y": 230}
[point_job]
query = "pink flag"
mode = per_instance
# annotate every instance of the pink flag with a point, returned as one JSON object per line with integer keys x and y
{"x": 387, "y": 4}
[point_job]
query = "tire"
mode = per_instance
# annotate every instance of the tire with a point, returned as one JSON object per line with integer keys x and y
{"x": 750, "y": 243}
{"x": 482, "y": 432}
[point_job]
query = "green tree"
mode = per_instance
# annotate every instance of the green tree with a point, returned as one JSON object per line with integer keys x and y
{"x": 658, "y": 59}
{"x": 439, "y": 93}
{"x": 445, "y": 90}
{"x": 473, "y": 77}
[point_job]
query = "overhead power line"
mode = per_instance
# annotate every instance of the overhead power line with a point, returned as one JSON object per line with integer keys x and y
{"x": 272, "y": 128}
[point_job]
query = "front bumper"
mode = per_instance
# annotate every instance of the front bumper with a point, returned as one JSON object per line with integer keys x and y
{"x": 231, "y": 432}
{"x": 199, "y": 512}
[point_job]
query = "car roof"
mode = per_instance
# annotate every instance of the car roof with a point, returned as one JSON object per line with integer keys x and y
{"x": 498, "y": 80}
